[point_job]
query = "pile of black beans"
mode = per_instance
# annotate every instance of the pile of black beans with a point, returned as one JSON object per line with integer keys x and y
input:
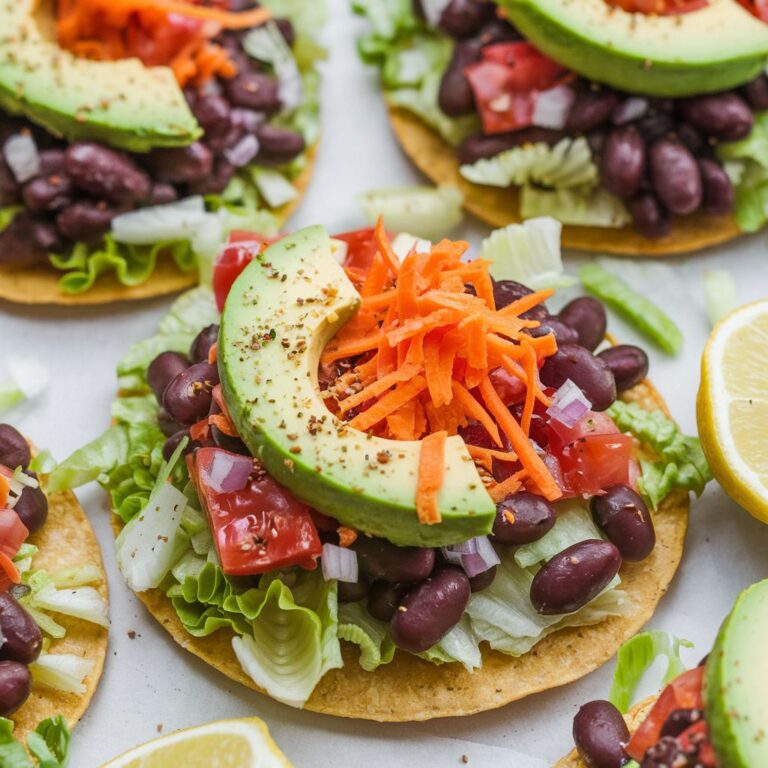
{"x": 656, "y": 154}
{"x": 83, "y": 185}
{"x": 601, "y": 734}
{"x": 22, "y": 639}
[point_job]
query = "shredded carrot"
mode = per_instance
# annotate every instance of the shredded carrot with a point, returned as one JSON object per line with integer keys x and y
{"x": 527, "y": 302}
{"x": 385, "y": 247}
{"x": 199, "y": 430}
{"x": 485, "y": 456}
{"x": 531, "y": 381}
{"x": 5, "y": 487}
{"x": 378, "y": 387}
{"x": 431, "y": 473}
{"x": 9, "y": 568}
{"x": 221, "y": 421}
{"x": 389, "y": 403}
{"x": 347, "y": 536}
{"x": 507, "y": 487}
{"x": 213, "y": 354}
{"x": 475, "y": 411}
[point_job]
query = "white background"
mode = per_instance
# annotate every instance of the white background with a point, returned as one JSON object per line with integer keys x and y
{"x": 149, "y": 681}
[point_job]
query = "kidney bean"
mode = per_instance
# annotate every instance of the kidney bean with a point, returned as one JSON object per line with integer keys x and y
{"x": 286, "y": 30}
{"x": 623, "y": 162}
{"x": 278, "y": 145}
{"x": 14, "y": 449}
{"x": 648, "y": 217}
{"x": 167, "y": 425}
{"x": 181, "y": 165}
{"x": 381, "y": 560}
{"x": 253, "y": 90}
{"x": 162, "y": 194}
{"x": 655, "y": 125}
{"x": 622, "y": 515}
{"x": 523, "y": 517}
{"x": 384, "y": 598}
{"x": 723, "y": 116}
{"x": 589, "y": 373}
{"x": 172, "y": 443}
{"x": 596, "y": 140}
{"x": 757, "y": 92}
{"x": 52, "y": 161}
{"x": 202, "y": 343}
{"x": 229, "y": 443}
{"x": 353, "y": 592}
{"x": 588, "y": 318}
{"x": 478, "y": 146}
{"x": 23, "y": 641}
{"x": 680, "y": 720}
{"x": 498, "y": 31}
{"x": 213, "y": 113}
{"x": 630, "y": 109}
{"x": 600, "y": 734}
{"x": 719, "y": 194}
{"x": 692, "y": 138}
{"x": 32, "y": 507}
{"x": 628, "y": 364}
{"x": 46, "y": 236}
{"x": 507, "y": 291}
{"x": 47, "y": 193}
{"x": 106, "y": 173}
{"x": 455, "y": 96}
{"x": 86, "y": 221}
{"x": 464, "y": 18}
{"x": 430, "y": 610}
{"x": 562, "y": 332}
{"x": 27, "y": 241}
{"x": 163, "y": 369}
{"x": 575, "y": 576}
{"x": 217, "y": 182}
{"x": 591, "y": 109}
{"x": 676, "y": 177}
{"x": 15, "y": 686}
{"x": 483, "y": 580}
{"x": 187, "y": 398}
{"x": 9, "y": 189}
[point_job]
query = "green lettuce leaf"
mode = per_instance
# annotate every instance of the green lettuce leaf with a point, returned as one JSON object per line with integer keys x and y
{"x": 636, "y": 656}
{"x": 357, "y": 626}
{"x": 7, "y": 214}
{"x": 580, "y": 207}
{"x": 681, "y": 462}
{"x": 48, "y": 744}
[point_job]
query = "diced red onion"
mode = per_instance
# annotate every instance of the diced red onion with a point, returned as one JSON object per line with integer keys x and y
{"x": 20, "y": 152}
{"x": 433, "y": 10}
{"x": 474, "y": 556}
{"x": 551, "y": 107}
{"x": 229, "y": 472}
{"x": 247, "y": 119}
{"x": 569, "y": 405}
{"x": 339, "y": 563}
{"x": 630, "y": 109}
{"x": 243, "y": 152}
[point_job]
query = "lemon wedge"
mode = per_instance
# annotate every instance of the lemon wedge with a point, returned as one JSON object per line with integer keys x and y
{"x": 732, "y": 406}
{"x": 242, "y": 743}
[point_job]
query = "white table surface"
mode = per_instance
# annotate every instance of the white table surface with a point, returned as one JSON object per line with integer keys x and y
{"x": 150, "y": 684}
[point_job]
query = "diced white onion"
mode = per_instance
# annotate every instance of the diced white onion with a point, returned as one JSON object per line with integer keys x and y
{"x": 339, "y": 563}
{"x": 551, "y": 107}
{"x": 20, "y": 152}
{"x": 174, "y": 221}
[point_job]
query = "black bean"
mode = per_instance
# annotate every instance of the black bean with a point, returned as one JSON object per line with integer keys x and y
{"x": 86, "y": 221}
{"x": 172, "y": 443}
{"x": 587, "y": 316}
{"x": 591, "y": 109}
{"x": 600, "y": 734}
{"x": 352, "y": 592}
{"x": 165, "y": 367}
{"x": 676, "y": 177}
{"x": 384, "y": 598}
{"x": 23, "y": 641}
{"x": 483, "y": 580}
{"x": 15, "y": 686}
{"x": 187, "y": 398}
{"x": 430, "y": 610}
{"x": 628, "y": 364}
{"x": 648, "y": 217}
{"x": 574, "y": 577}
{"x": 757, "y": 92}
{"x": 106, "y": 173}
{"x": 181, "y": 165}
{"x": 523, "y": 517}
{"x": 478, "y": 146}
{"x": 623, "y": 161}
{"x": 381, "y": 560}
{"x": 456, "y": 97}
{"x": 589, "y": 373}
{"x": 278, "y": 145}
{"x": 213, "y": 113}
{"x": 562, "y": 332}
{"x": 9, "y": 188}
{"x": 32, "y": 507}
{"x": 19, "y": 241}
{"x": 14, "y": 449}
{"x": 624, "y": 518}
{"x": 630, "y": 109}
{"x": 253, "y": 90}
{"x": 203, "y": 342}
{"x": 723, "y": 116}
{"x": 507, "y": 291}
{"x": 162, "y": 193}
{"x": 464, "y": 18}
{"x": 719, "y": 194}
{"x": 47, "y": 193}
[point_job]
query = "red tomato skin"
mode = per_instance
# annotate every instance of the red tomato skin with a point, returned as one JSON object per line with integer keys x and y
{"x": 529, "y": 69}
{"x": 232, "y": 260}
{"x": 660, "y": 7}
{"x": 593, "y": 423}
{"x": 361, "y": 248}
{"x": 13, "y": 533}
{"x": 260, "y": 528}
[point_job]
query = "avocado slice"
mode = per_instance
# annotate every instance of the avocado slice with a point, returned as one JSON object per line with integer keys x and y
{"x": 120, "y": 103}
{"x": 280, "y": 314}
{"x": 711, "y": 49}
{"x": 736, "y": 683}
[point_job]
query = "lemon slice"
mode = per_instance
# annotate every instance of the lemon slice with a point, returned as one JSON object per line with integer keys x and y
{"x": 732, "y": 406}
{"x": 242, "y": 743}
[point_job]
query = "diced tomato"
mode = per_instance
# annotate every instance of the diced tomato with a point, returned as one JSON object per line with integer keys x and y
{"x": 594, "y": 423}
{"x": 260, "y": 528}
{"x": 684, "y": 692}
{"x": 511, "y": 389}
{"x": 757, "y": 8}
{"x": 158, "y": 45}
{"x": 592, "y": 464}
{"x": 13, "y": 533}
{"x": 660, "y": 7}
{"x": 9, "y": 574}
{"x": 242, "y": 248}
{"x": 361, "y": 248}
{"x": 529, "y": 69}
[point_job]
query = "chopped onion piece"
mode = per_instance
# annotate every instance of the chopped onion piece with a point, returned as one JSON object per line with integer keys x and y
{"x": 20, "y": 152}
{"x": 158, "y": 223}
{"x": 61, "y": 671}
{"x": 243, "y": 152}
{"x": 339, "y": 563}
{"x": 474, "y": 556}
{"x": 630, "y": 109}
{"x": 569, "y": 405}
{"x": 228, "y": 472}
{"x": 551, "y": 107}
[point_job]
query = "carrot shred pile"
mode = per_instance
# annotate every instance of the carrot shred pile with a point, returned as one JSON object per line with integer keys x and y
{"x": 423, "y": 349}
{"x": 173, "y": 33}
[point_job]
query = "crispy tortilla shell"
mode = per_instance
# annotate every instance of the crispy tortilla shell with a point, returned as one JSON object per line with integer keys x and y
{"x": 437, "y": 159}
{"x": 634, "y": 718}
{"x": 66, "y": 540}
{"x": 40, "y": 284}
{"x": 412, "y": 689}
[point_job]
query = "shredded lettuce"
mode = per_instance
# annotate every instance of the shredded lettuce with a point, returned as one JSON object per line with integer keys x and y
{"x": 636, "y": 656}
{"x": 72, "y": 599}
{"x": 43, "y": 462}
{"x": 578, "y": 207}
{"x": 357, "y": 626}
{"x": 719, "y": 294}
{"x": 681, "y": 462}
{"x": 48, "y": 744}
{"x": 28, "y": 379}
{"x": 65, "y": 672}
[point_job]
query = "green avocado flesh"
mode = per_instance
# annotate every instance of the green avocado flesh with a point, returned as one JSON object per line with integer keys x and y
{"x": 120, "y": 103}
{"x": 711, "y": 49}
{"x": 278, "y": 318}
{"x": 736, "y": 683}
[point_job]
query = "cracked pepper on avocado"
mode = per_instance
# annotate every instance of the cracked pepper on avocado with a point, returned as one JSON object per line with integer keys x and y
{"x": 378, "y": 447}
{"x": 606, "y": 114}
{"x": 134, "y": 134}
